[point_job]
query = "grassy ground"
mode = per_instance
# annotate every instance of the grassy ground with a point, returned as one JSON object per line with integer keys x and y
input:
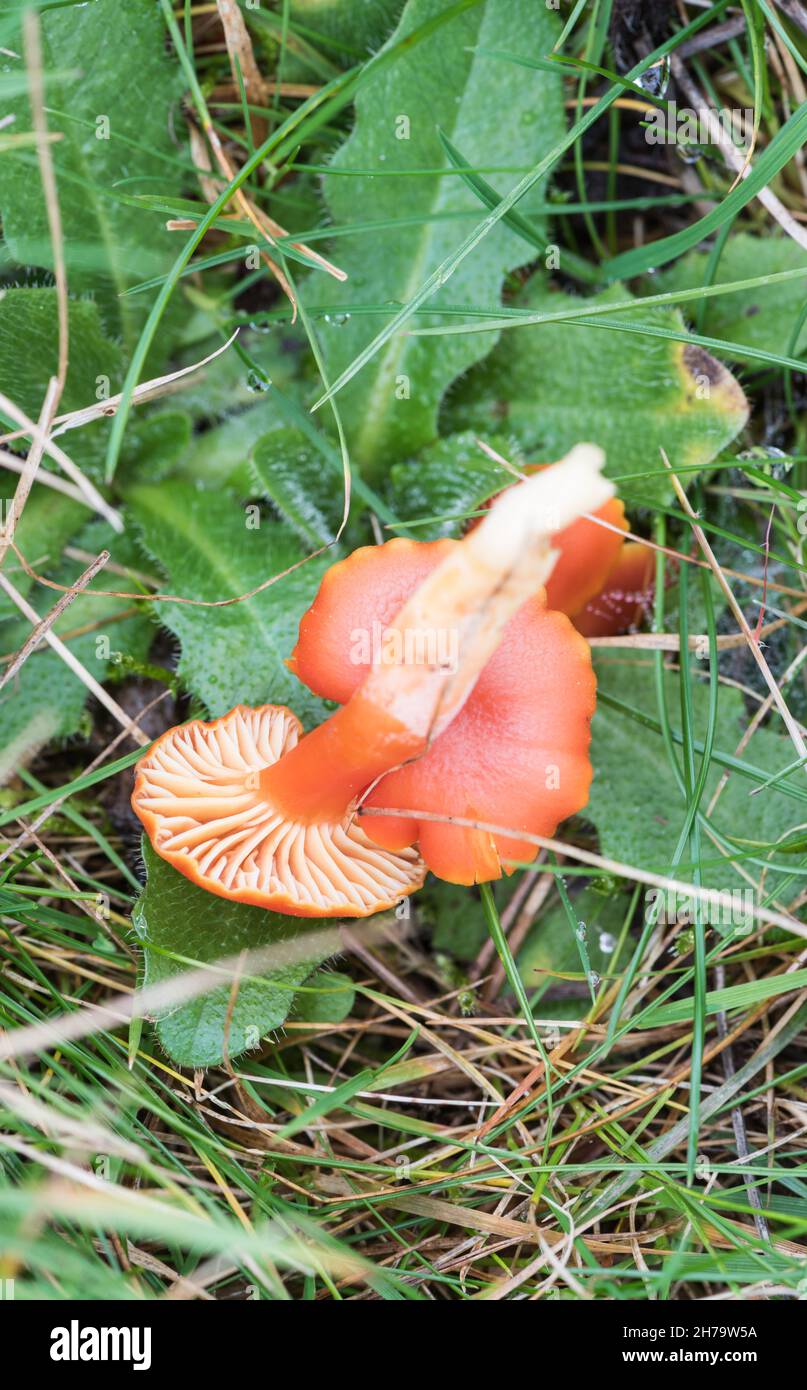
{"x": 551, "y": 1089}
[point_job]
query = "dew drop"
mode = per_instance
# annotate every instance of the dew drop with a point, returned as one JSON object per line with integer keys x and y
{"x": 656, "y": 79}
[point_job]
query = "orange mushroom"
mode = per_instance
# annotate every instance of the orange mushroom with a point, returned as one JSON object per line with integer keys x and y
{"x": 603, "y": 582}
{"x": 198, "y": 792}
{"x": 587, "y": 553}
{"x": 625, "y": 597}
{"x": 494, "y": 726}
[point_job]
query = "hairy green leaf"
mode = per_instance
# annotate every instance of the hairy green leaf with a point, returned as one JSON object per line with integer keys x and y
{"x": 557, "y": 384}
{"x": 390, "y": 410}
{"x": 29, "y": 354}
{"x": 355, "y": 27}
{"x": 111, "y": 107}
{"x": 764, "y": 317}
{"x": 211, "y": 547}
{"x": 327, "y": 997}
{"x": 636, "y": 803}
{"x": 45, "y": 700}
{"x": 181, "y": 925}
{"x": 288, "y": 470}
{"x": 448, "y": 481}
{"x": 155, "y": 445}
{"x": 48, "y": 522}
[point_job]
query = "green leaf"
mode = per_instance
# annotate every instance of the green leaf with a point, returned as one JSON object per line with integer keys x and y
{"x": 764, "y": 317}
{"x": 556, "y": 384}
{"x": 235, "y": 414}
{"x": 29, "y": 352}
{"x": 181, "y": 925}
{"x": 449, "y": 481}
{"x": 327, "y": 997}
{"x": 45, "y": 699}
{"x": 551, "y": 949}
{"x": 48, "y": 522}
{"x": 358, "y": 26}
{"x": 219, "y": 456}
{"x": 454, "y": 915}
{"x": 210, "y": 547}
{"x": 390, "y": 410}
{"x": 154, "y": 445}
{"x": 44, "y": 702}
{"x": 112, "y": 112}
{"x": 289, "y": 471}
{"x": 635, "y": 800}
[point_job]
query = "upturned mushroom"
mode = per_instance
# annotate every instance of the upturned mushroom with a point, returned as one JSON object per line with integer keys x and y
{"x": 493, "y": 727}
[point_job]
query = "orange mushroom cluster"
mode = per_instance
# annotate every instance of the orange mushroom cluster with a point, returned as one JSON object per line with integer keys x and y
{"x": 462, "y": 694}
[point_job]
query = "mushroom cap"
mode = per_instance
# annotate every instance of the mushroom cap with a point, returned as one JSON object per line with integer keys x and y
{"x": 198, "y": 793}
{"x": 586, "y": 555}
{"x": 515, "y": 755}
{"x": 623, "y": 600}
{"x": 330, "y": 630}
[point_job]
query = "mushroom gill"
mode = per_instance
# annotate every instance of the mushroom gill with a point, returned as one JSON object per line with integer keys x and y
{"x": 198, "y": 794}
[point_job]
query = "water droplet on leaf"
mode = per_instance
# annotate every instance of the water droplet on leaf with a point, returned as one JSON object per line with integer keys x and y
{"x": 656, "y": 79}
